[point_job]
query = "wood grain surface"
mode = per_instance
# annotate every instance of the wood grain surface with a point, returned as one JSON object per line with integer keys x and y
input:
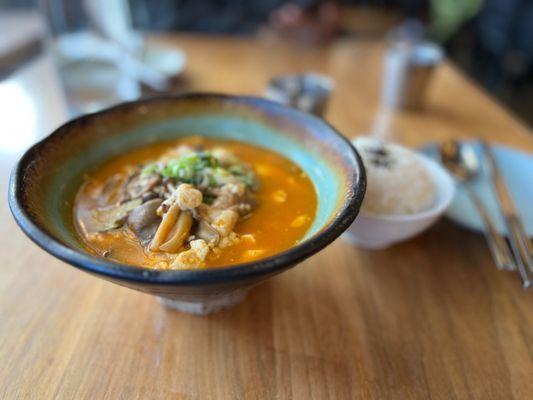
{"x": 430, "y": 318}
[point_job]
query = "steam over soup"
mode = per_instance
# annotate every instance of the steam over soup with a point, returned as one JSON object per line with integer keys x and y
{"x": 195, "y": 203}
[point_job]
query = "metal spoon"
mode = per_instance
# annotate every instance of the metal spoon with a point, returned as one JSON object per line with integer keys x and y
{"x": 461, "y": 161}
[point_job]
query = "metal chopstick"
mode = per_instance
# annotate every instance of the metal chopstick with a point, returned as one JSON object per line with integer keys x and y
{"x": 501, "y": 253}
{"x": 518, "y": 239}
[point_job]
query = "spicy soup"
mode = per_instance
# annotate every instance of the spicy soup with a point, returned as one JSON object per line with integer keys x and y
{"x": 194, "y": 203}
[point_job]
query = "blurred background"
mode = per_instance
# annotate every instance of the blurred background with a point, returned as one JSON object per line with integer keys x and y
{"x": 490, "y": 40}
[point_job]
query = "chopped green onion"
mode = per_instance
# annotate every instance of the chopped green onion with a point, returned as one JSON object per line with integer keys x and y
{"x": 200, "y": 168}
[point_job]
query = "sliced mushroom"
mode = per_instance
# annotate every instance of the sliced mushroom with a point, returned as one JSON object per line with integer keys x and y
{"x": 112, "y": 190}
{"x": 143, "y": 220}
{"x": 112, "y": 217}
{"x": 202, "y": 212}
{"x": 141, "y": 184}
{"x": 167, "y": 224}
{"x": 207, "y": 232}
{"x": 178, "y": 234}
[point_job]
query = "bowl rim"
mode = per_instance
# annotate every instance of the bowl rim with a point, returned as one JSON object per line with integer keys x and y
{"x": 124, "y": 272}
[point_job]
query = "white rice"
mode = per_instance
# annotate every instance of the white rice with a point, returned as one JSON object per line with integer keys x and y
{"x": 397, "y": 181}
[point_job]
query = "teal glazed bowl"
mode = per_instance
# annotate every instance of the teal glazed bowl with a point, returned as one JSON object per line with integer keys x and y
{"x": 45, "y": 180}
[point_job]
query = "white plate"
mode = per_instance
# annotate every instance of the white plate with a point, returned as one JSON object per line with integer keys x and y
{"x": 517, "y": 171}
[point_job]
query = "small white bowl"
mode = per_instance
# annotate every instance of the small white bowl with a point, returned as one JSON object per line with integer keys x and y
{"x": 371, "y": 231}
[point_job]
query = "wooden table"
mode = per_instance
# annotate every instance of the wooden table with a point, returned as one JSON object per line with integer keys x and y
{"x": 431, "y": 318}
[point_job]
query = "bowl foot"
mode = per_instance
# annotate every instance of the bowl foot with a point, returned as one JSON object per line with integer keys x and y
{"x": 208, "y": 305}
{"x": 364, "y": 244}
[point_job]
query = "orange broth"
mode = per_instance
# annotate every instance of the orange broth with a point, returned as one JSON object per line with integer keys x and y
{"x": 276, "y": 225}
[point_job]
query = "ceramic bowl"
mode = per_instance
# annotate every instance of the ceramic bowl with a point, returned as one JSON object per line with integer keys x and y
{"x": 375, "y": 232}
{"x": 45, "y": 180}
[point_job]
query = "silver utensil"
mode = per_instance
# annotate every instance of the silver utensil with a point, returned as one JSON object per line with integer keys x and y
{"x": 407, "y": 72}
{"x": 308, "y": 92}
{"x": 520, "y": 245}
{"x": 462, "y": 162}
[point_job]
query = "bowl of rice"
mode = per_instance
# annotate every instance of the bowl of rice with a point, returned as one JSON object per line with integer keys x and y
{"x": 406, "y": 193}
